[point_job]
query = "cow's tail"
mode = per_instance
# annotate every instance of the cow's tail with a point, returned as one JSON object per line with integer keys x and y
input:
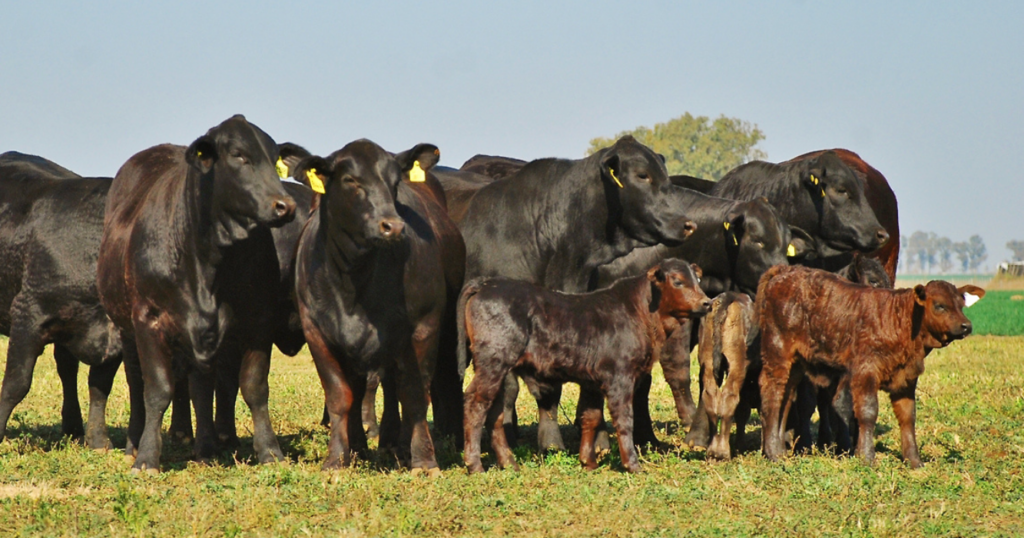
{"x": 470, "y": 289}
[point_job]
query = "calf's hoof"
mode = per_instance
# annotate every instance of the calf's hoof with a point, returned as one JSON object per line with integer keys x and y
{"x": 271, "y": 456}
{"x": 98, "y": 442}
{"x": 697, "y": 439}
{"x": 372, "y": 430}
{"x": 142, "y": 467}
{"x": 549, "y": 438}
{"x": 602, "y": 442}
{"x": 228, "y": 442}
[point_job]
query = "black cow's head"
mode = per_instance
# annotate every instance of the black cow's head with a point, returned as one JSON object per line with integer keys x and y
{"x": 236, "y": 161}
{"x": 942, "y": 311}
{"x": 847, "y": 222}
{"x": 649, "y": 207}
{"x": 360, "y": 183}
{"x": 757, "y": 238}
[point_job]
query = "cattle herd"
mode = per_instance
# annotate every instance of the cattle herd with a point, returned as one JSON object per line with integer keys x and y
{"x": 192, "y": 262}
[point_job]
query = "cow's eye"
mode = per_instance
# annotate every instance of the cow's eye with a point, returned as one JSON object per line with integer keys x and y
{"x": 841, "y": 192}
{"x": 759, "y": 244}
{"x": 644, "y": 177}
{"x": 940, "y": 308}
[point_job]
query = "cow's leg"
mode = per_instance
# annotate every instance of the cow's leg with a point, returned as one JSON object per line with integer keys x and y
{"x": 23, "y": 349}
{"x": 181, "y": 409}
{"x": 904, "y": 404}
{"x": 826, "y": 417}
{"x": 201, "y": 385}
{"x": 226, "y": 392}
{"x": 865, "y": 406}
{"x": 620, "y": 405}
{"x": 446, "y": 384}
{"x": 643, "y": 426}
{"x": 547, "y": 395}
{"x": 356, "y": 434}
{"x": 71, "y": 411}
{"x": 337, "y": 397}
{"x": 390, "y": 420}
{"x": 369, "y": 405}
{"x": 136, "y": 395}
{"x": 155, "y": 361}
{"x": 510, "y": 416}
{"x": 416, "y": 371}
{"x": 101, "y": 379}
{"x": 675, "y": 364}
{"x": 801, "y": 422}
{"x": 592, "y": 404}
{"x": 252, "y": 380}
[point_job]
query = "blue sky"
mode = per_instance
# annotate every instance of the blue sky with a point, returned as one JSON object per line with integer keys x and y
{"x": 930, "y": 93}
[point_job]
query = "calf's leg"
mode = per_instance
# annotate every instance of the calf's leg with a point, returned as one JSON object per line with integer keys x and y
{"x": 591, "y": 402}
{"x": 369, "y": 405}
{"x": 675, "y": 364}
{"x": 904, "y": 404}
{"x": 256, "y": 392}
{"x": 620, "y": 405}
{"x": 481, "y": 397}
{"x": 865, "y": 407}
{"x": 547, "y": 395}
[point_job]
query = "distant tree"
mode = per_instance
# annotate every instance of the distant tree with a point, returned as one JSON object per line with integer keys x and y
{"x": 976, "y": 250}
{"x": 697, "y": 146}
{"x": 921, "y": 250}
{"x": 944, "y": 253}
{"x": 963, "y": 253}
{"x": 901, "y": 262}
{"x": 1017, "y": 246}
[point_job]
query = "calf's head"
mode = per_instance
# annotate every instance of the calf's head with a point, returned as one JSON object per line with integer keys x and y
{"x": 648, "y": 207}
{"x": 675, "y": 290}
{"x": 360, "y": 184}
{"x": 867, "y": 271}
{"x": 939, "y": 311}
{"x": 847, "y": 222}
{"x": 235, "y": 161}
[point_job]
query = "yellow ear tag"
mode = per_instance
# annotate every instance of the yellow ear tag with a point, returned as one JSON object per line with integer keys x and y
{"x": 617, "y": 182}
{"x": 416, "y": 174}
{"x": 734, "y": 240}
{"x": 726, "y": 224}
{"x": 282, "y": 169}
{"x": 814, "y": 179}
{"x": 791, "y": 251}
{"x": 314, "y": 181}
{"x": 199, "y": 153}
{"x": 822, "y": 193}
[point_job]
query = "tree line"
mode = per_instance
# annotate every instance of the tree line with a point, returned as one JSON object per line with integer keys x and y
{"x": 928, "y": 253}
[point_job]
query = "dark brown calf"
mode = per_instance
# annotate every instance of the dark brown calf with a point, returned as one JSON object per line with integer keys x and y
{"x": 603, "y": 340}
{"x": 816, "y": 323}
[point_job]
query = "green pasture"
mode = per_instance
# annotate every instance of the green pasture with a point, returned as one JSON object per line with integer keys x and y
{"x": 970, "y": 425}
{"x": 999, "y": 313}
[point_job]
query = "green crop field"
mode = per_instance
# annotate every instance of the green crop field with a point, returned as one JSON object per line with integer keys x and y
{"x": 970, "y": 425}
{"x": 999, "y": 313}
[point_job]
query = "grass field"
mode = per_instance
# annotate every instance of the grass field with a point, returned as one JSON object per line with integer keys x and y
{"x": 999, "y": 313}
{"x": 970, "y": 425}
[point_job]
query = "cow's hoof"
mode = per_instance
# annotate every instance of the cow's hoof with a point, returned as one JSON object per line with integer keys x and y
{"x": 181, "y": 437}
{"x": 474, "y": 468}
{"x": 145, "y": 469}
{"x": 98, "y": 442}
{"x": 549, "y": 438}
{"x": 228, "y": 442}
{"x": 432, "y": 472}
{"x": 333, "y": 465}
{"x": 372, "y": 430}
{"x": 602, "y": 442}
{"x": 272, "y": 456}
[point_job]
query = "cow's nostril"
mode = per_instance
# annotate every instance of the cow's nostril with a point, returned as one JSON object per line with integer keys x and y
{"x": 391, "y": 228}
{"x": 966, "y": 327}
{"x": 706, "y": 305}
{"x": 689, "y": 228}
{"x": 883, "y": 236}
{"x": 283, "y": 207}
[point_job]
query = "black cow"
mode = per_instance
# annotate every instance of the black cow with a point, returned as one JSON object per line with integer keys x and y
{"x": 735, "y": 243}
{"x": 493, "y": 166}
{"x": 371, "y": 292}
{"x": 187, "y": 271}
{"x": 556, "y": 220}
{"x": 821, "y": 196}
{"x": 51, "y": 222}
{"x": 459, "y": 189}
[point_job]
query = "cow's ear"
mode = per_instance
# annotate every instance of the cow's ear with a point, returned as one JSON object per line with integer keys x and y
{"x": 919, "y": 294}
{"x": 610, "y": 170}
{"x": 971, "y": 294}
{"x": 202, "y": 153}
{"x": 801, "y": 244}
{"x": 289, "y": 155}
{"x": 697, "y": 271}
{"x": 734, "y": 227}
{"x": 662, "y": 157}
{"x": 313, "y": 172}
{"x": 655, "y": 274}
{"x": 416, "y": 161}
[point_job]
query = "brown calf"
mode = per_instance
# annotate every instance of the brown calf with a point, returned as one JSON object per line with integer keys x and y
{"x": 817, "y": 323}
{"x": 603, "y": 340}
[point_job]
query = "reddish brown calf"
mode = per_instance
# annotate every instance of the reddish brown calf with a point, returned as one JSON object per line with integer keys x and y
{"x": 603, "y": 340}
{"x": 817, "y": 323}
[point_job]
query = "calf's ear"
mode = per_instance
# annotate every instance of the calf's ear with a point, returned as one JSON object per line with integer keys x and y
{"x": 697, "y": 270}
{"x": 919, "y": 294}
{"x": 655, "y": 274}
{"x": 416, "y": 161}
{"x": 202, "y": 153}
{"x": 972, "y": 294}
{"x": 313, "y": 172}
